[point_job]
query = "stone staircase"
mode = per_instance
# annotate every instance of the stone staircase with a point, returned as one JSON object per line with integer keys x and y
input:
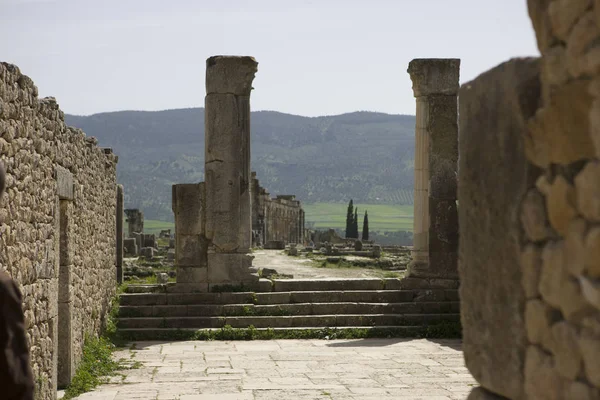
{"x": 154, "y": 311}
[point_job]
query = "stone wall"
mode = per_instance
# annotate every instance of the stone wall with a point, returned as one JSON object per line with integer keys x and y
{"x": 276, "y": 219}
{"x": 529, "y": 195}
{"x": 58, "y": 227}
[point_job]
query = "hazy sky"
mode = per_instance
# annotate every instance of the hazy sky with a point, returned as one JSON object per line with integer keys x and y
{"x": 316, "y": 57}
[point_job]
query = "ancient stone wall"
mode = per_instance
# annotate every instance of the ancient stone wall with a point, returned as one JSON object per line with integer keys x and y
{"x": 529, "y": 195}
{"x": 58, "y": 227}
{"x": 278, "y": 219}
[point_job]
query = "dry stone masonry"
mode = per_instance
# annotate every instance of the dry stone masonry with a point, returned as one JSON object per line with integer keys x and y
{"x": 529, "y": 195}
{"x": 435, "y": 240}
{"x": 58, "y": 227}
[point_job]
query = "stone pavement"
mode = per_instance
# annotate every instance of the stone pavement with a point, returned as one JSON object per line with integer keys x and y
{"x": 292, "y": 369}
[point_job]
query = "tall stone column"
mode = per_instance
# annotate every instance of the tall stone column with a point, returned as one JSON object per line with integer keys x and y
{"x": 227, "y": 165}
{"x": 119, "y": 260}
{"x": 435, "y": 233}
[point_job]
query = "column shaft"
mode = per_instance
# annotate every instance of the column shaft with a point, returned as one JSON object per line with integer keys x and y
{"x": 435, "y": 240}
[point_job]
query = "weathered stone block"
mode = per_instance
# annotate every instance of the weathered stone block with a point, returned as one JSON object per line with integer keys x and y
{"x": 434, "y": 76}
{"x": 494, "y": 110}
{"x": 189, "y": 208}
{"x": 575, "y": 252}
{"x": 192, "y": 274}
{"x": 230, "y": 74}
{"x": 130, "y": 247}
{"x": 150, "y": 241}
{"x": 588, "y": 191}
{"x": 538, "y": 12}
{"x": 581, "y": 391}
{"x": 563, "y": 15}
{"x": 592, "y": 253}
{"x": 566, "y": 350}
{"x": 533, "y": 217}
{"x": 556, "y": 286}
{"x": 589, "y": 344}
{"x": 560, "y": 204}
{"x": 228, "y": 268}
{"x": 559, "y": 133}
{"x": 583, "y": 54}
{"x": 191, "y": 251}
{"x": 64, "y": 183}
{"x": 540, "y": 367}
{"x": 147, "y": 252}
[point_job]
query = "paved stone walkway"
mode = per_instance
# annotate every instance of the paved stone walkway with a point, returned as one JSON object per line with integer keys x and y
{"x": 302, "y": 267}
{"x": 292, "y": 369}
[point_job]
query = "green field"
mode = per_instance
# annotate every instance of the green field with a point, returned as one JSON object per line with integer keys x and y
{"x": 153, "y": 226}
{"x": 382, "y": 217}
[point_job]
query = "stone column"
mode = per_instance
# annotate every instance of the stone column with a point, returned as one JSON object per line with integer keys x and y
{"x": 227, "y": 165}
{"x": 119, "y": 260}
{"x": 190, "y": 240}
{"x": 435, "y": 233}
{"x": 135, "y": 220}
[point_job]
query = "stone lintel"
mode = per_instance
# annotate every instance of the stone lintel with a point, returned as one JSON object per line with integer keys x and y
{"x": 230, "y": 75}
{"x": 434, "y": 76}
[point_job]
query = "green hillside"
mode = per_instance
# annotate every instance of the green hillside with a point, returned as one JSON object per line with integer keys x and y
{"x": 363, "y": 155}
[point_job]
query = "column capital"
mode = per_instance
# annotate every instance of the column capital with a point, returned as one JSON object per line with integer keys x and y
{"x": 230, "y": 75}
{"x": 431, "y": 76}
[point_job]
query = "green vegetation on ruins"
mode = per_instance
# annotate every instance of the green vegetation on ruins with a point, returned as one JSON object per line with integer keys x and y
{"x": 445, "y": 330}
{"x": 97, "y": 365}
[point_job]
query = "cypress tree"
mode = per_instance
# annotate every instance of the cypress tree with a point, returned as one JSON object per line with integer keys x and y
{"x": 349, "y": 219}
{"x": 355, "y": 224}
{"x": 365, "y": 231}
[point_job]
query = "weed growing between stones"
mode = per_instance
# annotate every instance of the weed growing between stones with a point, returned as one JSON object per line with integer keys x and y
{"x": 97, "y": 364}
{"x": 226, "y": 288}
{"x": 444, "y": 330}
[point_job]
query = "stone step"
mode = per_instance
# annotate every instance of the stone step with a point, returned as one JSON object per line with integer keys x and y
{"x": 361, "y": 296}
{"x": 214, "y": 310}
{"x": 329, "y": 284}
{"x": 296, "y": 321}
{"x": 171, "y": 334}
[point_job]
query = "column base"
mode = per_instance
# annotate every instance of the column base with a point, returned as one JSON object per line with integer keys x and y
{"x": 417, "y": 269}
{"x": 439, "y": 265}
{"x": 231, "y": 269}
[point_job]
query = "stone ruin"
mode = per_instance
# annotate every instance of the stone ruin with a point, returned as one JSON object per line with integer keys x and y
{"x": 137, "y": 242}
{"x": 61, "y": 224}
{"x": 213, "y": 219}
{"x": 527, "y": 185}
{"x": 529, "y": 193}
{"x": 275, "y": 221}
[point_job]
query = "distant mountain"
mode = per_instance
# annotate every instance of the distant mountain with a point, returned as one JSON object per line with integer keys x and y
{"x": 365, "y": 156}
